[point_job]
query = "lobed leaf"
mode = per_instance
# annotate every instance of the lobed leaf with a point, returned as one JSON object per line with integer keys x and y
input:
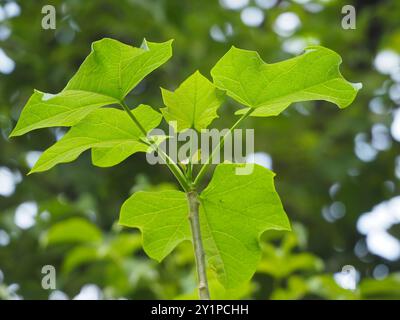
{"x": 194, "y": 104}
{"x": 106, "y": 76}
{"x": 234, "y": 211}
{"x": 109, "y": 132}
{"x": 271, "y": 88}
{"x": 162, "y": 218}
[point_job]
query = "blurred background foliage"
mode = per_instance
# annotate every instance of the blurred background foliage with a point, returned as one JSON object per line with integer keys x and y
{"x": 337, "y": 171}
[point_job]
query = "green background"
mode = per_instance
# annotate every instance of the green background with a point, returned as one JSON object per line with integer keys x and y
{"x": 332, "y": 165}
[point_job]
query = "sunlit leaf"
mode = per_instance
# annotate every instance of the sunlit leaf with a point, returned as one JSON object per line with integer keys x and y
{"x": 271, "y": 88}
{"x": 161, "y": 216}
{"x": 109, "y": 132}
{"x": 235, "y": 210}
{"x": 106, "y": 76}
{"x": 194, "y": 104}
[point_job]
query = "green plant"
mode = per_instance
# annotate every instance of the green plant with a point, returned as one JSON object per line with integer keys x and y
{"x": 227, "y": 217}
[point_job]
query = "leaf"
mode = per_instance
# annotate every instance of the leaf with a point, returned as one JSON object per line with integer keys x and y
{"x": 124, "y": 244}
{"x": 74, "y": 230}
{"x": 106, "y": 76}
{"x": 326, "y": 287}
{"x": 296, "y": 289}
{"x": 162, "y": 218}
{"x": 281, "y": 265}
{"x": 218, "y": 292}
{"x": 111, "y": 134}
{"x": 271, "y": 88}
{"x": 121, "y": 246}
{"x": 194, "y": 104}
{"x": 234, "y": 211}
{"x": 64, "y": 109}
{"x": 387, "y": 288}
{"x": 79, "y": 256}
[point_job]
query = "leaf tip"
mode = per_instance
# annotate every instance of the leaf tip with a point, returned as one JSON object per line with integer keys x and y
{"x": 144, "y": 45}
{"x": 356, "y": 85}
{"x": 14, "y": 133}
{"x": 35, "y": 169}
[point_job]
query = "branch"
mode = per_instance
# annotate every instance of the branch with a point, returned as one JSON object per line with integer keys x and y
{"x": 193, "y": 203}
{"x": 168, "y": 161}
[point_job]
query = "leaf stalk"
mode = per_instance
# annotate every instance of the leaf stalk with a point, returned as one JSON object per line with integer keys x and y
{"x": 193, "y": 203}
{"x": 173, "y": 167}
{"x": 204, "y": 168}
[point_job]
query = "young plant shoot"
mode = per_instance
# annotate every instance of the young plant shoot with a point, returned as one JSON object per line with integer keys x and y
{"x": 224, "y": 219}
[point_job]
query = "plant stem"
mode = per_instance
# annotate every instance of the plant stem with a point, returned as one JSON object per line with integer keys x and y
{"x": 173, "y": 168}
{"x": 132, "y": 116}
{"x": 193, "y": 203}
{"x": 168, "y": 161}
{"x": 204, "y": 168}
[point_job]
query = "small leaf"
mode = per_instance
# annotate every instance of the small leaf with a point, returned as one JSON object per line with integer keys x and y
{"x": 162, "y": 218}
{"x": 271, "y": 88}
{"x": 194, "y": 104}
{"x": 106, "y": 76}
{"x": 110, "y": 132}
{"x": 74, "y": 230}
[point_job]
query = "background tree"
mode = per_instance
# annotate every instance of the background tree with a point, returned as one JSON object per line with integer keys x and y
{"x": 332, "y": 167}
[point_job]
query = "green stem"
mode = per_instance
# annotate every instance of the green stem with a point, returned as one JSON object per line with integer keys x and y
{"x": 173, "y": 167}
{"x": 204, "y": 168}
{"x": 199, "y": 254}
{"x": 132, "y": 116}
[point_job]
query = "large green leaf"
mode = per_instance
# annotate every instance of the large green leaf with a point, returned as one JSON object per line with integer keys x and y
{"x": 234, "y": 211}
{"x": 106, "y": 76}
{"x": 111, "y": 134}
{"x": 161, "y": 216}
{"x": 194, "y": 104}
{"x": 271, "y": 88}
